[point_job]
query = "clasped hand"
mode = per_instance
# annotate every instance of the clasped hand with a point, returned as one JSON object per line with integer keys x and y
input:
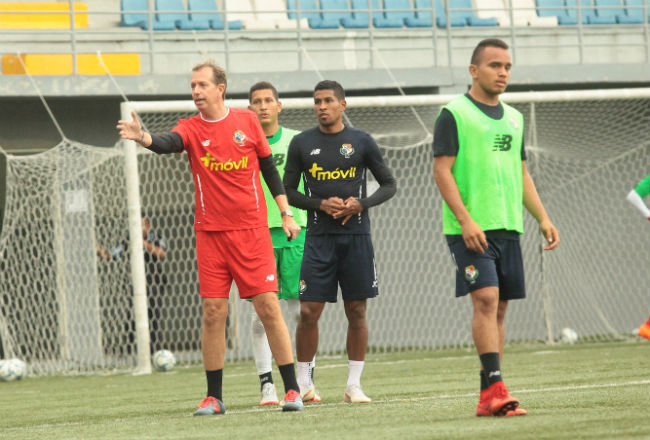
{"x": 339, "y": 208}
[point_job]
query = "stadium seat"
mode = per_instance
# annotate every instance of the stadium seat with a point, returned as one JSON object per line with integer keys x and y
{"x": 423, "y": 13}
{"x": 49, "y": 19}
{"x": 362, "y": 9}
{"x": 133, "y": 14}
{"x": 275, "y": 11}
{"x": 173, "y": 11}
{"x": 61, "y": 64}
{"x": 339, "y": 10}
{"x": 496, "y": 9}
{"x": 558, "y": 9}
{"x": 310, "y": 11}
{"x": 213, "y": 17}
{"x": 587, "y": 12}
{"x": 402, "y": 10}
{"x": 441, "y": 14}
{"x": 523, "y": 13}
{"x": 635, "y": 10}
{"x": 613, "y": 10}
{"x": 243, "y": 11}
{"x": 463, "y": 9}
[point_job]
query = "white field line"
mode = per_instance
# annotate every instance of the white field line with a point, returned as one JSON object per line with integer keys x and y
{"x": 311, "y": 407}
{"x": 462, "y": 396}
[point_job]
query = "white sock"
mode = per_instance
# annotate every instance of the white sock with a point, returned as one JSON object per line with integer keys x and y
{"x": 304, "y": 378}
{"x": 312, "y": 365}
{"x": 354, "y": 373}
{"x": 261, "y": 349}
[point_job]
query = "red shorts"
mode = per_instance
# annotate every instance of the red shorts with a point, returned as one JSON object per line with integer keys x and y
{"x": 244, "y": 255}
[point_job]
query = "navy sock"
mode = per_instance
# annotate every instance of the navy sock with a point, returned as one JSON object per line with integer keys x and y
{"x": 215, "y": 379}
{"x": 265, "y": 378}
{"x": 484, "y": 381}
{"x": 490, "y": 362}
{"x": 288, "y": 373}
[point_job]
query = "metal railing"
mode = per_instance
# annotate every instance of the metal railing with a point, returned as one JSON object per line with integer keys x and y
{"x": 442, "y": 43}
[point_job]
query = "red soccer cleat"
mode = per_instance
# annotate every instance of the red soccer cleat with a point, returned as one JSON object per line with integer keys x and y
{"x": 483, "y": 403}
{"x": 516, "y": 412}
{"x": 500, "y": 402}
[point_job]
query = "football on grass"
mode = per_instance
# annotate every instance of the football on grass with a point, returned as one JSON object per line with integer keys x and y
{"x": 164, "y": 360}
{"x": 11, "y": 369}
{"x": 568, "y": 336}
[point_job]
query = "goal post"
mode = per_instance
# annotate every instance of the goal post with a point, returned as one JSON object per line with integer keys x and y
{"x": 77, "y": 290}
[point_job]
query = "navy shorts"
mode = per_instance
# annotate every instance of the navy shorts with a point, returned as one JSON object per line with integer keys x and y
{"x": 501, "y": 265}
{"x": 331, "y": 260}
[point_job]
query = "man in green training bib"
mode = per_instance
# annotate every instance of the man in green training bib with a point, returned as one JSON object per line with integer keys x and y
{"x": 480, "y": 169}
{"x": 265, "y": 103}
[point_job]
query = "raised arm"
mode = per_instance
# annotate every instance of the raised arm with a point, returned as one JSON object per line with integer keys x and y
{"x": 160, "y": 144}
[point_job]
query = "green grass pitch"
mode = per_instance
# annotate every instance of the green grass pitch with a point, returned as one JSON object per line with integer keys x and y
{"x": 586, "y": 391}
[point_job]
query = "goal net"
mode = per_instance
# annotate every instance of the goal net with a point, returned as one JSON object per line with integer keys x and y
{"x": 78, "y": 294}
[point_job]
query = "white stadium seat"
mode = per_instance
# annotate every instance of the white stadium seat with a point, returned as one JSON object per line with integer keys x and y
{"x": 275, "y": 11}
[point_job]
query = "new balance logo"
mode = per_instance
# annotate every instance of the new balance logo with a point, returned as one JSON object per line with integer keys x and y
{"x": 206, "y": 143}
{"x": 494, "y": 373}
{"x": 315, "y": 151}
{"x": 270, "y": 277}
{"x": 502, "y": 142}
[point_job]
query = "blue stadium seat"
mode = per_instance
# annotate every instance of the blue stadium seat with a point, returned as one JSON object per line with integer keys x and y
{"x": 463, "y": 9}
{"x": 606, "y": 12}
{"x": 213, "y": 18}
{"x": 310, "y": 11}
{"x": 130, "y": 18}
{"x": 587, "y": 12}
{"x": 402, "y": 10}
{"x": 423, "y": 14}
{"x": 339, "y": 10}
{"x": 379, "y": 20}
{"x": 549, "y": 8}
{"x": 613, "y": 9}
{"x": 441, "y": 14}
{"x": 174, "y": 13}
{"x": 635, "y": 10}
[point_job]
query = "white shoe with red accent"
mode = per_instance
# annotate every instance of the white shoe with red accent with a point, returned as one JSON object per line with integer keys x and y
{"x": 269, "y": 396}
{"x": 354, "y": 394}
{"x": 309, "y": 394}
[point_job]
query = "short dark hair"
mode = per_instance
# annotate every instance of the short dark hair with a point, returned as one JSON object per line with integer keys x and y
{"x": 263, "y": 85}
{"x": 480, "y": 47}
{"x": 333, "y": 86}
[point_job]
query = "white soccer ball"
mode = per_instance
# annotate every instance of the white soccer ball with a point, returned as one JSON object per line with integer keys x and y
{"x": 12, "y": 369}
{"x": 164, "y": 360}
{"x": 568, "y": 336}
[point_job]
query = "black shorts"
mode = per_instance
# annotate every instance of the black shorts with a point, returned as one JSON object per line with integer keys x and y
{"x": 501, "y": 265}
{"x": 333, "y": 259}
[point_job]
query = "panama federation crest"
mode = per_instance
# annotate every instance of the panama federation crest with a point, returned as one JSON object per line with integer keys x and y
{"x": 302, "y": 286}
{"x": 471, "y": 273}
{"x": 239, "y": 137}
{"x": 347, "y": 150}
